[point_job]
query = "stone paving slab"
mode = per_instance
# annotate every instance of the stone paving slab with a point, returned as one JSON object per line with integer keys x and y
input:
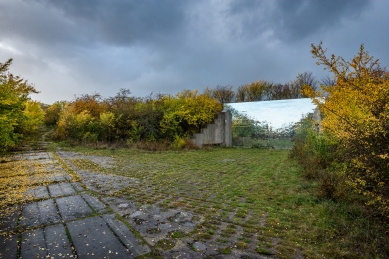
{"x": 10, "y": 222}
{"x": 77, "y": 186}
{"x": 49, "y": 242}
{"x": 95, "y": 203}
{"x": 92, "y": 238}
{"x": 61, "y": 189}
{"x": 126, "y": 236}
{"x": 57, "y": 242}
{"x": 73, "y": 207}
{"x": 33, "y": 244}
{"x": 36, "y": 156}
{"x": 57, "y": 177}
{"x": 8, "y": 247}
{"x": 39, "y": 192}
{"x": 106, "y": 183}
{"x": 39, "y": 213}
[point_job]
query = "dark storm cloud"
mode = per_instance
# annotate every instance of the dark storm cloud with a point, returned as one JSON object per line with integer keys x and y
{"x": 69, "y": 47}
{"x": 296, "y": 19}
{"x": 124, "y": 22}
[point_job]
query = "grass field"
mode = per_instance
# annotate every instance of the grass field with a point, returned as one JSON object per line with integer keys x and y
{"x": 252, "y": 199}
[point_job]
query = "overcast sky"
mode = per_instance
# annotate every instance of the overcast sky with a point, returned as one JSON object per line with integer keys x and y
{"x": 74, "y": 47}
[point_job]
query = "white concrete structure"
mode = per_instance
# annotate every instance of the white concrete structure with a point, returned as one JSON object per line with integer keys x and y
{"x": 277, "y": 113}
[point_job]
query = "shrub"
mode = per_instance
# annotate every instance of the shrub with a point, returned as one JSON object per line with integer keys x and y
{"x": 356, "y": 113}
{"x": 14, "y": 94}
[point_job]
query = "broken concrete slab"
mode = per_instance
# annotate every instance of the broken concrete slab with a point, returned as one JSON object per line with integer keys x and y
{"x": 181, "y": 217}
{"x": 8, "y": 246}
{"x": 198, "y": 246}
{"x": 92, "y": 238}
{"x": 121, "y": 206}
{"x": 61, "y": 189}
{"x": 182, "y": 254}
{"x": 126, "y": 236}
{"x": 39, "y": 213}
{"x": 95, "y": 203}
{"x": 73, "y": 207}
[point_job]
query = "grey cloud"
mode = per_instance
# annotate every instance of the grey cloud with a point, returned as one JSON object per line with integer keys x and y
{"x": 297, "y": 19}
{"x": 69, "y": 47}
{"x": 125, "y": 22}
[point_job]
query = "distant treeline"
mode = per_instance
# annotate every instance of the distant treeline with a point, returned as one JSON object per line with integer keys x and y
{"x": 263, "y": 90}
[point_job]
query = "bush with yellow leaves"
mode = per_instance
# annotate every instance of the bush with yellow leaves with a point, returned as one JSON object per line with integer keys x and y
{"x": 356, "y": 113}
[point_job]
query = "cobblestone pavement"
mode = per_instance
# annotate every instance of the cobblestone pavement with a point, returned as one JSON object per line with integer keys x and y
{"x": 76, "y": 216}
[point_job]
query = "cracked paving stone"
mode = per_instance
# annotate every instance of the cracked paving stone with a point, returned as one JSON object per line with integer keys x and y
{"x": 126, "y": 236}
{"x": 39, "y": 213}
{"x": 92, "y": 238}
{"x": 8, "y": 246}
{"x": 95, "y": 203}
{"x": 61, "y": 189}
{"x": 73, "y": 207}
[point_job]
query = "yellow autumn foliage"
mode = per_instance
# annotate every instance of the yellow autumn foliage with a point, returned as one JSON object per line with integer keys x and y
{"x": 187, "y": 112}
{"x": 356, "y": 112}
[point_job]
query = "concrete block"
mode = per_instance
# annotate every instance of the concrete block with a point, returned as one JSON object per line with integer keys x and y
{"x": 92, "y": 238}
{"x": 39, "y": 213}
{"x": 73, "y": 207}
{"x": 8, "y": 246}
{"x": 61, "y": 189}
{"x": 95, "y": 203}
{"x": 126, "y": 236}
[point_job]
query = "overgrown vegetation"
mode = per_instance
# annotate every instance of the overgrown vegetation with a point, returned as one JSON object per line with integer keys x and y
{"x": 19, "y": 116}
{"x": 347, "y": 154}
{"x": 250, "y": 199}
{"x": 90, "y": 118}
{"x": 352, "y": 147}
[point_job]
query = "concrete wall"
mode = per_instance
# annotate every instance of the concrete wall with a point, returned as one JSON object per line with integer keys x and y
{"x": 317, "y": 119}
{"x": 217, "y": 133}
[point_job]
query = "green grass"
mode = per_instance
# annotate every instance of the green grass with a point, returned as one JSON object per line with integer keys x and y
{"x": 260, "y": 191}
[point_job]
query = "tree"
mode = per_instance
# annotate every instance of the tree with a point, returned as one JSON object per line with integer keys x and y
{"x": 304, "y": 79}
{"x": 34, "y": 116}
{"x": 53, "y": 113}
{"x": 14, "y": 94}
{"x": 356, "y": 113}
{"x": 255, "y": 91}
{"x": 224, "y": 94}
{"x": 328, "y": 81}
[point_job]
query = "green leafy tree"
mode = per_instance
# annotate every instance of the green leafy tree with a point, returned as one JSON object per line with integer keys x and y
{"x": 53, "y": 113}
{"x": 14, "y": 94}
